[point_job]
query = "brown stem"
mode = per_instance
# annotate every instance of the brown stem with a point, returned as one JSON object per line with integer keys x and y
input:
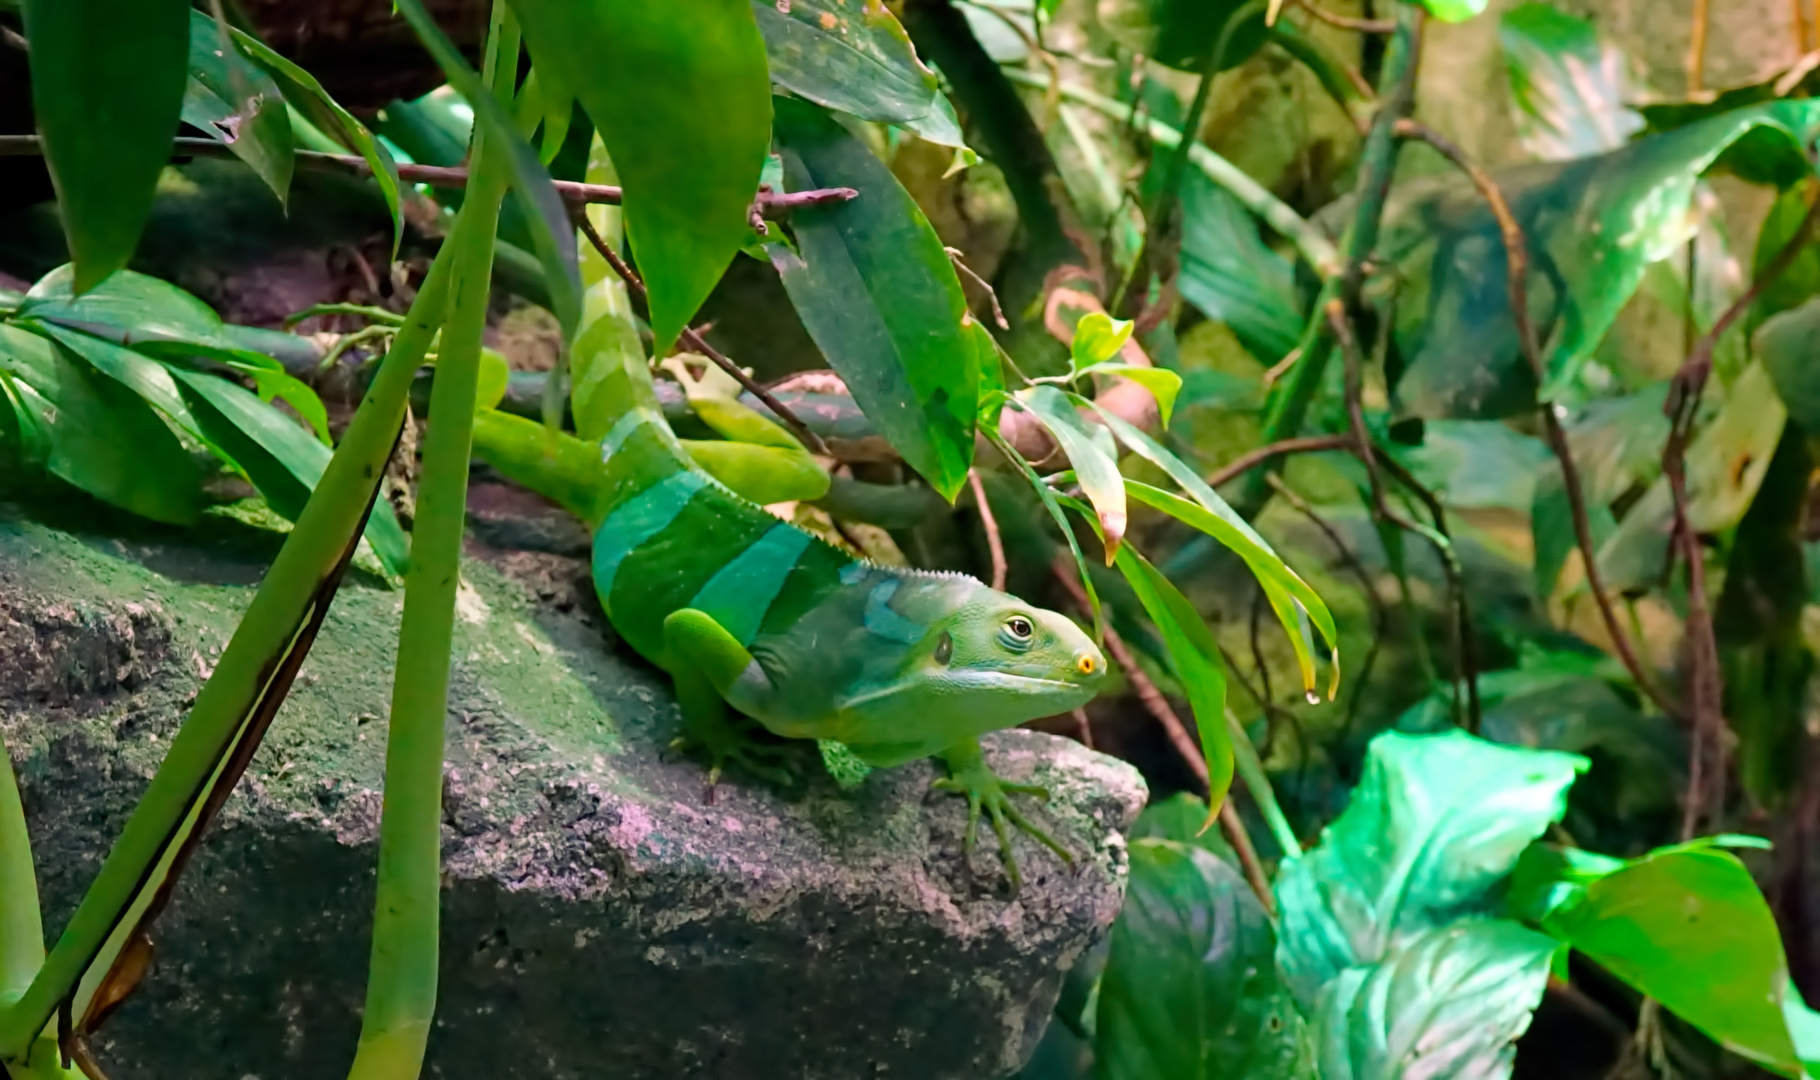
{"x": 699, "y": 344}
{"x": 998, "y": 313}
{"x": 994, "y": 544}
{"x": 1251, "y": 459}
{"x": 1798, "y": 23}
{"x": 1085, "y": 726}
{"x": 1696, "y": 49}
{"x": 1516, "y": 255}
{"x": 1158, "y": 706}
{"x": 1347, "y": 22}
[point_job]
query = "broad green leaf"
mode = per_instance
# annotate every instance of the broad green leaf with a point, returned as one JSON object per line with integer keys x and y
{"x": 859, "y": 62}
{"x": 1788, "y": 343}
{"x": 1594, "y": 225}
{"x": 1182, "y": 33}
{"x": 104, "y": 438}
{"x": 1191, "y": 988}
{"x": 1179, "y": 818}
{"x": 1232, "y": 276}
{"x": 1162, "y": 383}
{"x": 236, "y": 103}
{"x": 1095, "y": 461}
{"x": 1434, "y": 827}
{"x": 304, "y": 93}
{"x": 139, "y": 307}
{"x": 1801, "y": 280}
{"x": 1726, "y": 463}
{"x": 143, "y": 376}
{"x": 107, "y": 86}
{"x": 272, "y": 381}
{"x": 1569, "y": 87}
{"x": 689, "y": 146}
{"x": 25, "y": 429}
{"x": 551, "y": 231}
{"x": 877, "y": 292}
{"x": 1551, "y": 526}
{"x": 276, "y": 456}
{"x": 1098, "y": 337}
{"x": 1454, "y": 10}
{"x": 1689, "y": 928}
{"x": 1450, "y": 1002}
{"x": 1477, "y": 464}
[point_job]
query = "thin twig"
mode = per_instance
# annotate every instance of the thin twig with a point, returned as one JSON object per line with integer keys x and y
{"x": 1696, "y": 49}
{"x": 772, "y": 203}
{"x": 994, "y": 544}
{"x": 998, "y": 313}
{"x": 1084, "y": 726}
{"x": 1158, "y": 706}
{"x": 699, "y": 344}
{"x": 1251, "y": 459}
{"x": 1516, "y": 254}
{"x": 1347, "y": 22}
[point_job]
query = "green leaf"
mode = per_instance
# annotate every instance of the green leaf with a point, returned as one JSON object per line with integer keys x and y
{"x": 1098, "y": 337}
{"x": 1179, "y": 818}
{"x": 861, "y": 63}
{"x": 1434, "y": 827}
{"x": 141, "y": 308}
{"x": 1454, "y": 10}
{"x": 145, "y": 377}
{"x": 1232, "y": 275}
{"x": 1162, "y": 383}
{"x": 1594, "y": 223}
{"x": 1478, "y": 464}
{"x": 103, "y": 437}
{"x": 273, "y": 382}
{"x": 1191, "y": 988}
{"x": 1450, "y": 1003}
{"x": 1787, "y": 343}
{"x": 551, "y": 232}
{"x": 689, "y": 149}
{"x": 276, "y": 456}
{"x": 1181, "y": 33}
{"x": 107, "y": 86}
{"x": 303, "y": 92}
{"x": 1569, "y": 87}
{"x": 1801, "y": 280}
{"x": 1092, "y": 454}
{"x": 238, "y": 104}
{"x": 1053, "y": 504}
{"x": 1689, "y": 928}
{"x": 877, "y": 292}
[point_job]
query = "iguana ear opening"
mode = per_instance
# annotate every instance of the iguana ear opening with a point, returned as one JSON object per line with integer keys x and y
{"x": 944, "y": 648}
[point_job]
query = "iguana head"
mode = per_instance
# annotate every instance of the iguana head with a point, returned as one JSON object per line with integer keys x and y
{"x": 972, "y": 660}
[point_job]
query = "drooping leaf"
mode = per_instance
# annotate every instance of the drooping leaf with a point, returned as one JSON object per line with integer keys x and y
{"x": 1098, "y": 337}
{"x": 543, "y": 210}
{"x": 877, "y": 292}
{"x": 1435, "y": 824}
{"x": 1162, "y": 383}
{"x": 107, "y": 86}
{"x": 690, "y": 151}
{"x": 103, "y": 437}
{"x": 1182, "y": 33}
{"x": 276, "y": 456}
{"x": 1569, "y": 87}
{"x": 1190, "y": 988}
{"x": 1089, "y": 449}
{"x": 859, "y": 62}
{"x": 1594, "y": 224}
{"x": 1688, "y": 927}
{"x": 1450, "y": 1002}
{"x": 301, "y": 89}
{"x": 237, "y": 103}
{"x": 1232, "y": 275}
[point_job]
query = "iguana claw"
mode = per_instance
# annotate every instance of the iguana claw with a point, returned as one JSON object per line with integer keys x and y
{"x": 969, "y": 775}
{"x": 733, "y": 744}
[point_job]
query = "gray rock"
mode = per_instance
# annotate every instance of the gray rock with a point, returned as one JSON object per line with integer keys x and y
{"x": 601, "y": 917}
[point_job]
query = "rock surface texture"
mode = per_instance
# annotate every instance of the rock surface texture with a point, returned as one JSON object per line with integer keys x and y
{"x": 601, "y": 917}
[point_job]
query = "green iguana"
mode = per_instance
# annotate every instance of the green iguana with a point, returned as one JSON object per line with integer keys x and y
{"x": 746, "y": 611}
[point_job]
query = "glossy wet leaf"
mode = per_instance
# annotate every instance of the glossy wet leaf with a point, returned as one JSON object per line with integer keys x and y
{"x": 859, "y": 62}
{"x": 1182, "y": 33}
{"x": 104, "y": 438}
{"x": 877, "y": 292}
{"x": 237, "y": 103}
{"x": 1090, "y": 451}
{"x": 541, "y": 207}
{"x": 1594, "y": 224}
{"x": 277, "y": 456}
{"x": 107, "y": 86}
{"x": 1434, "y": 826}
{"x": 1232, "y": 276}
{"x": 1190, "y": 988}
{"x": 1450, "y": 1002}
{"x": 301, "y": 89}
{"x": 690, "y": 149}
{"x": 1569, "y": 87}
{"x": 1690, "y": 928}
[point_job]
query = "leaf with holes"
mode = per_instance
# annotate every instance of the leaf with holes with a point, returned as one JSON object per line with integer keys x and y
{"x": 238, "y": 104}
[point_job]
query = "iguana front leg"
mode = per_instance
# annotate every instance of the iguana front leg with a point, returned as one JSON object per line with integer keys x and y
{"x": 969, "y": 775}
{"x": 707, "y": 664}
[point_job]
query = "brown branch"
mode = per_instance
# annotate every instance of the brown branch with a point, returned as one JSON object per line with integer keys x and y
{"x": 1696, "y": 50}
{"x": 1347, "y": 22}
{"x": 1516, "y": 255}
{"x": 994, "y": 544}
{"x": 699, "y": 344}
{"x": 998, "y": 313}
{"x": 1158, "y": 706}
{"x": 1251, "y": 459}
{"x": 770, "y": 203}
{"x": 1798, "y": 23}
{"x": 1085, "y": 726}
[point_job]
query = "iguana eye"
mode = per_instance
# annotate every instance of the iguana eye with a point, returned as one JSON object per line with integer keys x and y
{"x": 944, "y": 648}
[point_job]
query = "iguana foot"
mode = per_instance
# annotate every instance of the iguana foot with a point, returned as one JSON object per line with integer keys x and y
{"x": 739, "y": 743}
{"x": 969, "y": 775}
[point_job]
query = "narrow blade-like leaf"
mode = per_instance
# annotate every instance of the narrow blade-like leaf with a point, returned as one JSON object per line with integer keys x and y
{"x": 1097, "y": 470}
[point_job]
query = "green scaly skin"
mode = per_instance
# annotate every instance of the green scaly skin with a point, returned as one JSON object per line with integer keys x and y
{"x": 760, "y": 623}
